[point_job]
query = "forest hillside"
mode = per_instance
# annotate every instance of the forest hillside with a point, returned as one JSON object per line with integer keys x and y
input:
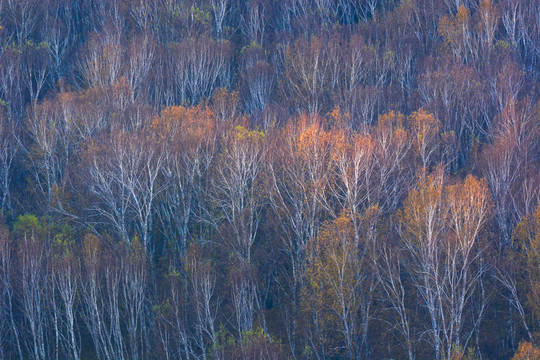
{"x": 258, "y": 179}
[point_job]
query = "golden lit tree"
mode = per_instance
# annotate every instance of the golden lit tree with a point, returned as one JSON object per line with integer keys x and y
{"x": 440, "y": 227}
{"x": 338, "y": 289}
{"x": 527, "y": 351}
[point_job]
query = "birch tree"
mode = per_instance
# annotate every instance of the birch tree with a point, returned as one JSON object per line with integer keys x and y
{"x": 441, "y": 228}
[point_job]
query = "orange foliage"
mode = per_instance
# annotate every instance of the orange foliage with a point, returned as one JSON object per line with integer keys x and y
{"x": 470, "y": 205}
{"x": 195, "y": 122}
{"x": 310, "y": 137}
{"x": 424, "y": 211}
{"x": 527, "y": 351}
{"x": 456, "y": 31}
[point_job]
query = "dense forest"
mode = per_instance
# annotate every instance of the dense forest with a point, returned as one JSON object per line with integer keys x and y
{"x": 258, "y": 179}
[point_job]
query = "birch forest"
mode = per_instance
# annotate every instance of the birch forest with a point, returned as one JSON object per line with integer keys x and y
{"x": 267, "y": 180}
